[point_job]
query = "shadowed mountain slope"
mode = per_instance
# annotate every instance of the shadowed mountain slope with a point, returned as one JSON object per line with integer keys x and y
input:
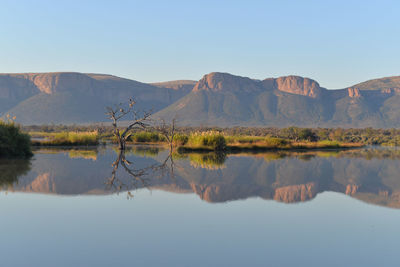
{"x": 225, "y": 100}
{"x": 218, "y": 99}
{"x": 75, "y": 97}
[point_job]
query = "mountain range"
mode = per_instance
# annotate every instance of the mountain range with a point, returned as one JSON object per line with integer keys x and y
{"x": 218, "y": 99}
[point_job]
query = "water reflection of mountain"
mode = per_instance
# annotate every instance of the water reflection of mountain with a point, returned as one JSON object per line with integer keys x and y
{"x": 370, "y": 175}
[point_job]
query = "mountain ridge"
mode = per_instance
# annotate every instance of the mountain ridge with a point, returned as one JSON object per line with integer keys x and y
{"x": 72, "y": 97}
{"x": 217, "y": 99}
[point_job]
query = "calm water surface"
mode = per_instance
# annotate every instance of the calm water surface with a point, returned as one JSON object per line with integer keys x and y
{"x": 94, "y": 207}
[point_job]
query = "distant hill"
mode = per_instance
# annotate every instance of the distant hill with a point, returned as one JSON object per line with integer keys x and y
{"x": 218, "y": 99}
{"x": 181, "y": 85}
{"x": 222, "y": 99}
{"x": 42, "y": 98}
{"x": 379, "y": 84}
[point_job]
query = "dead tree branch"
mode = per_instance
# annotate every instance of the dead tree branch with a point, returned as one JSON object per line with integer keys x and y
{"x": 135, "y": 119}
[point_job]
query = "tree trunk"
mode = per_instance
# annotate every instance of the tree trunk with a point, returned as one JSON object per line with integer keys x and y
{"x": 121, "y": 142}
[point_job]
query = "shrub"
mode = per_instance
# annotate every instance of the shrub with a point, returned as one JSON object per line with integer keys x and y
{"x": 180, "y": 140}
{"x": 327, "y": 143}
{"x": 307, "y": 134}
{"x": 275, "y": 142}
{"x": 71, "y": 139}
{"x": 14, "y": 143}
{"x": 208, "y": 140}
{"x": 243, "y": 139}
{"x": 144, "y": 137}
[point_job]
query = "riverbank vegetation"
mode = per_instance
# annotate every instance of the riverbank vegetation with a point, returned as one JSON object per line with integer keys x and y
{"x": 65, "y": 138}
{"x": 223, "y": 139}
{"x": 13, "y": 142}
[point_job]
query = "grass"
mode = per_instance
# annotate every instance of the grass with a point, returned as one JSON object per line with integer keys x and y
{"x": 67, "y": 139}
{"x": 240, "y": 139}
{"x": 249, "y": 143}
{"x": 194, "y": 141}
{"x": 214, "y": 141}
{"x": 205, "y": 141}
{"x": 146, "y": 137}
{"x": 14, "y": 143}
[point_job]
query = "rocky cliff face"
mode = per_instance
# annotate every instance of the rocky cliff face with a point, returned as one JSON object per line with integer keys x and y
{"x": 353, "y": 92}
{"x": 299, "y": 86}
{"x": 220, "y": 82}
{"x": 38, "y": 98}
{"x": 218, "y": 99}
{"x": 221, "y": 99}
{"x": 50, "y": 83}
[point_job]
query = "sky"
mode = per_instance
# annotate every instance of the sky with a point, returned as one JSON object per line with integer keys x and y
{"x": 338, "y": 43}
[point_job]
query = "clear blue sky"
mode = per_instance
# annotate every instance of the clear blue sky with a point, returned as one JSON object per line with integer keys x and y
{"x": 338, "y": 43}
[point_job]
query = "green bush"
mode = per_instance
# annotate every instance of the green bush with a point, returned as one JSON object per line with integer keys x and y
{"x": 243, "y": 139}
{"x": 70, "y": 139}
{"x": 180, "y": 140}
{"x": 144, "y": 137}
{"x": 14, "y": 143}
{"x": 327, "y": 143}
{"x": 307, "y": 134}
{"x": 275, "y": 142}
{"x": 207, "y": 140}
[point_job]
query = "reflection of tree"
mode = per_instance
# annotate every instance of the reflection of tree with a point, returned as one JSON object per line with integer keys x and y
{"x": 10, "y": 170}
{"x": 137, "y": 177}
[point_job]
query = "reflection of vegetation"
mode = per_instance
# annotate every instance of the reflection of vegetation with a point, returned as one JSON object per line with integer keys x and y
{"x": 11, "y": 169}
{"x": 372, "y": 153}
{"x": 84, "y": 154}
{"x": 367, "y": 153}
{"x": 210, "y": 160}
{"x": 328, "y": 153}
{"x": 273, "y": 156}
{"x": 13, "y": 143}
{"x": 72, "y": 153}
{"x": 144, "y": 151}
{"x": 141, "y": 150}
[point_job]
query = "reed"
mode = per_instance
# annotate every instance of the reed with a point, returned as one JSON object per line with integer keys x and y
{"x": 207, "y": 141}
{"x": 69, "y": 139}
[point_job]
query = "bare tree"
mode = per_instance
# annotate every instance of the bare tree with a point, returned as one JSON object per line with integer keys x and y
{"x": 168, "y": 131}
{"x": 135, "y": 119}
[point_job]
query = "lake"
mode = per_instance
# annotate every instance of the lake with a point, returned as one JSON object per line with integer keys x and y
{"x": 96, "y": 207}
